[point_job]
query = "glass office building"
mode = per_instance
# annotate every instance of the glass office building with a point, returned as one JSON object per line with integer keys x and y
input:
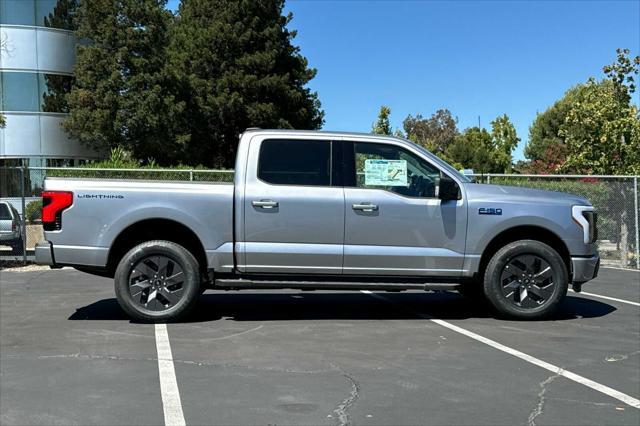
{"x": 37, "y": 53}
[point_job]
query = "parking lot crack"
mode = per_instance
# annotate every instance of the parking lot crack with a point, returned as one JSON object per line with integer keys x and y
{"x": 342, "y": 409}
{"x": 539, "y": 408}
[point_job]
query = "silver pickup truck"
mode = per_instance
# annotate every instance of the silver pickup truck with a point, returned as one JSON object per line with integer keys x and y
{"x": 321, "y": 210}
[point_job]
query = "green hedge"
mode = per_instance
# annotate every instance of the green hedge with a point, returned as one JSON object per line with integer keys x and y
{"x": 33, "y": 211}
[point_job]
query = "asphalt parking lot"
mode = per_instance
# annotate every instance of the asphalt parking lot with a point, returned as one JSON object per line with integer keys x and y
{"x": 68, "y": 355}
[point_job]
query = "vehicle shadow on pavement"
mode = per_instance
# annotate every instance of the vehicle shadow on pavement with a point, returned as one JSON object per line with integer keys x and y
{"x": 302, "y": 306}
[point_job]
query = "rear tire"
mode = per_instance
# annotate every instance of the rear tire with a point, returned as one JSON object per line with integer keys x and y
{"x": 157, "y": 281}
{"x": 526, "y": 280}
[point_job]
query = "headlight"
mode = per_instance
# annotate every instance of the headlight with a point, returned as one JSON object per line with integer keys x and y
{"x": 586, "y": 217}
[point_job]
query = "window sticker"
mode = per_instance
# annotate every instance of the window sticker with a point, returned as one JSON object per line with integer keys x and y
{"x": 385, "y": 173}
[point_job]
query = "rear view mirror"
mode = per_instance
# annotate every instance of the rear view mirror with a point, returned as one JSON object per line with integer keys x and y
{"x": 448, "y": 189}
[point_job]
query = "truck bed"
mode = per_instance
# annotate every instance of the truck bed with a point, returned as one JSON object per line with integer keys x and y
{"x": 102, "y": 209}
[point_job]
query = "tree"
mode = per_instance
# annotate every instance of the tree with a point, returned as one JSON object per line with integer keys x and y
{"x": 546, "y": 148}
{"x": 591, "y": 129}
{"x": 602, "y": 133}
{"x": 236, "y": 67}
{"x": 382, "y": 126}
{"x": 122, "y": 95}
{"x": 435, "y": 133}
{"x": 483, "y": 151}
{"x": 3, "y": 122}
{"x": 472, "y": 149}
{"x": 602, "y": 127}
{"x": 504, "y": 141}
{"x": 622, "y": 72}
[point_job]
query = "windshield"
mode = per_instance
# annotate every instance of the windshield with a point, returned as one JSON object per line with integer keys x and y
{"x": 440, "y": 162}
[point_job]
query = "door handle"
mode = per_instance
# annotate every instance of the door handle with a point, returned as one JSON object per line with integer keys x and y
{"x": 265, "y": 204}
{"x": 366, "y": 207}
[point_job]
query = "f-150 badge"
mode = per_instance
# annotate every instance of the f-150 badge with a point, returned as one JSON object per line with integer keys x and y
{"x": 492, "y": 211}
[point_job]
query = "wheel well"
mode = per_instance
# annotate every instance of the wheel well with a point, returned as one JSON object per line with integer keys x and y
{"x": 525, "y": 233}
{"x": 155, "y": 229}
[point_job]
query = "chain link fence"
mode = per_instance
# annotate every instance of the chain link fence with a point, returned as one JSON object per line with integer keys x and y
{"x": 614, "y": 197}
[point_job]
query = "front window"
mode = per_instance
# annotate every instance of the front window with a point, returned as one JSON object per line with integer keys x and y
{"x": 392, "y": 168}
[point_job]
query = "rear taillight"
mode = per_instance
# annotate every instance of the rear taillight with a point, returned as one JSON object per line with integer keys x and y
{"x": 14, "y": 226}
{"x": 53, "y": 203}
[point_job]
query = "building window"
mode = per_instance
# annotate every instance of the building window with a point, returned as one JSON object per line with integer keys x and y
{"x": 56, "y": 13}
{"x": 60, "y": 162}
{"x": 20, "y": 91}
{"x": 25, "y": 91}
{"x": 42, "y": 13}
{"x": 17, "y": 12}
{"x": 53, "y": 90}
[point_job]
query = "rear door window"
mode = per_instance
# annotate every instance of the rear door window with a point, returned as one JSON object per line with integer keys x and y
{"x": 295, "y": 162}
{"x": 5, "y": 214}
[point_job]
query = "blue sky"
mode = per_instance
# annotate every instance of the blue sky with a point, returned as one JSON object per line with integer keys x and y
{"x": 476, "y": 58}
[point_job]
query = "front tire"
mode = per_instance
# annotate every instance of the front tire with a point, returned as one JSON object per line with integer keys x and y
{"x": 526, "y": 279}
{"x": 157, "y": 281}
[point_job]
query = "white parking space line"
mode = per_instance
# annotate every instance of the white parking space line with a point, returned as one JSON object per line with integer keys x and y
{"x": 171, "y": 404}
{"x": 627, "y": 399}
{"x": 628, "y": 302}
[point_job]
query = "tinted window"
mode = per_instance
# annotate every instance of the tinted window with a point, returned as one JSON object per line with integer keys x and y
{"x": 17, "y": 12}
{"x": 4, "y": 212}
{"x": 20, "y": 91}
{"x": 52, "y": 91}
{"x": 295, "y": 162}
{"x": 25, "y": 91}
{"x": 56, "y": 13}
{"x": 394, "y": 169}
{"x": 43, "y": 13}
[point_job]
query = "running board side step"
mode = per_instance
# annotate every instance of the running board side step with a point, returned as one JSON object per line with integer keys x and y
{"x": 242, "y": 283}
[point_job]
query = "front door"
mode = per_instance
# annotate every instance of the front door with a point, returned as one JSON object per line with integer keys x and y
{"x": 294, "y": 215}
{"x": 394, "y": 222}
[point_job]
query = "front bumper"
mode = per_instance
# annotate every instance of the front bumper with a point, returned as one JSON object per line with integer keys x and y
{"x": 44, "y": 253}
{"x": 585, "y": 268}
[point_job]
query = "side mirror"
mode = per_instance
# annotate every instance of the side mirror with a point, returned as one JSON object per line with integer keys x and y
{"x": 448, "y": 189}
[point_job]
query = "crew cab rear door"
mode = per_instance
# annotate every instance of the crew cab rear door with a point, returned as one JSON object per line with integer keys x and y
{"x": 293, "y": 207}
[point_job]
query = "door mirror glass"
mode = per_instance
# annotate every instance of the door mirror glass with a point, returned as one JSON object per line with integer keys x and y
{"x": 448, "y": 189}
